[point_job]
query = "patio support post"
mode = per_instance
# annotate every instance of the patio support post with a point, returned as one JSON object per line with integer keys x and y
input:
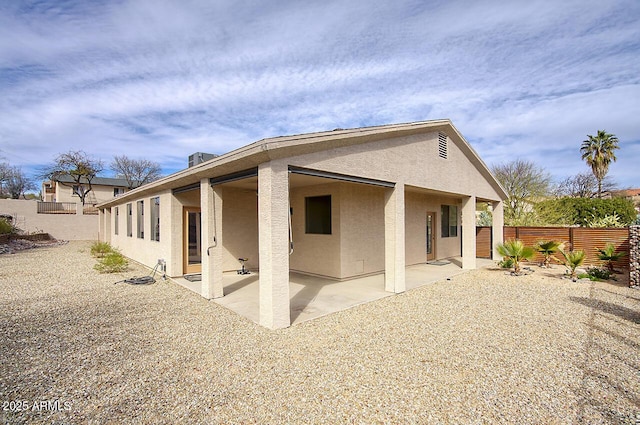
{"x": 273, "y": 229}
{"x": 469, "y": 232}
{"x": 211, "y": 228}
{"x": 394, "y": 250}
{"x": 101, "y": 217}
{"x": 497, "y": 227}
{"x": 105, "y": 214}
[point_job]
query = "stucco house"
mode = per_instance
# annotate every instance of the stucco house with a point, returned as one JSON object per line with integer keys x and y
{"x": 341, "y": 204}
{"x": 102, "y": 189}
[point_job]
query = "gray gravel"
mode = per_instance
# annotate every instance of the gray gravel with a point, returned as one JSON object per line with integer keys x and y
{"x": 484, "y": 347}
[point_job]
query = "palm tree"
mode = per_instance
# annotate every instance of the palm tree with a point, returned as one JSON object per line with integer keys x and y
{"x": 609, "y": 255}
{"x": 573, "y": 260}
{"x": 547, "y": 249}
{"x": 516, "y": 251}
{"x": 599, "y": 151}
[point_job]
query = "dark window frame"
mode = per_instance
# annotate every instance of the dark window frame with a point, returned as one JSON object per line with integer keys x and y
{"x": 116, "y": 220}
{"x": 140, "y": 219}
{"x": 130, "y": 220}
{"x": 449, "y": 213}
{"x": 154, "y": 219}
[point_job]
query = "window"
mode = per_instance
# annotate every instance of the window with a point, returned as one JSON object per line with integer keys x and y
{"x": 140, "y": 219}
{"x": 129, "y": 219}
{"x": 116, "y": 220}
{"x": 318, "y": 215}
{"x": 155, "y": 218}
{"x": 117, "y": 191}
{"x": 449, "y": 221}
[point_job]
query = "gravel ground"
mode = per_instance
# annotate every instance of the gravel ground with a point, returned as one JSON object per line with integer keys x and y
{"x": 484, "y": 347}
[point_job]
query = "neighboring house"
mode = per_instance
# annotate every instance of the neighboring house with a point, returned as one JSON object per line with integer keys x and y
{"x": 340, "y": 204}
{"x": 632, "y": 194}
{"x": 102, "y": 189}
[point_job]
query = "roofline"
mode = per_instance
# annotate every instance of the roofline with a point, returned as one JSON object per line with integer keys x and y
{"x": 268, "y": 149}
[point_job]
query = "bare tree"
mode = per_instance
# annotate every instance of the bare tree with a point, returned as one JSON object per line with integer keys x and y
{"x": 525, "y": 184}
{"x": 5, "y": 172}
{"x": 17, "y": 183}
{"x": 136, "y": 171}
{"x": 582, "y": 185}
{"x": 74, "y": 169}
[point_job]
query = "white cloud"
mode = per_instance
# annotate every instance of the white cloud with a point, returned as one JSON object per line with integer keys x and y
{"x": 163, "y": 79}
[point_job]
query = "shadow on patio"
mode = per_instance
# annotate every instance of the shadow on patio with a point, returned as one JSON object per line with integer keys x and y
{"x": 313, "y": 296}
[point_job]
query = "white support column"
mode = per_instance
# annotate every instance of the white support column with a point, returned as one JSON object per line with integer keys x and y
{"x": 211, "y": 228}
{"x": 394, "y": 251}
{"x": 469, "y": 232}
{"x": 497, "y": 227}
{"x": 101, "y": 220}
{"x": 273, "y": 229}
{"x": 106, "y": 234}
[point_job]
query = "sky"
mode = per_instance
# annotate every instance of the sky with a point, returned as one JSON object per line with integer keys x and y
{"x": 162, "y": 79}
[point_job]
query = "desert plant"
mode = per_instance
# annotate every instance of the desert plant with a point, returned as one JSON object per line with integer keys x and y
{"x": 611, "y": 220}
{"x": 598, "y": 273}
{"x": 100, "y": 249}
{"x": 6, "y": 227}
{"x": 609, "y": 255}
{"x": 506, "y": 263}
{"x": 573, "y": 260}
{"x": 515, "y": 250}
{"x": 112, "y": 262}
{"x": 547, "y": 249}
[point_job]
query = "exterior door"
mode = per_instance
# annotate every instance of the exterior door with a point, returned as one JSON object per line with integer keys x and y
{"x": 192, "y": 248}
{"x": 431, "y": 236}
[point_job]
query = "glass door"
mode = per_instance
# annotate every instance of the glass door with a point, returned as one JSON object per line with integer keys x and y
{"x": 431, "y": 236}
{"x": 192, "y": 250}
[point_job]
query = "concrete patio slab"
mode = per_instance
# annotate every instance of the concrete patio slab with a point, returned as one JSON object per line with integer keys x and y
{"x": 313, "y": 296}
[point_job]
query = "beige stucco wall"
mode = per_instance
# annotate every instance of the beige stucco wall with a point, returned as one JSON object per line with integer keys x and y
{"x": 145, "y": 250}
{"x": 361, "y": 229}
{"x": 99, "y": 193}
{"x": 60, "y": 226}
{"x": 316, "y": 254}
{"x": 411, "y": 159}
{"x": 239, "y": 228}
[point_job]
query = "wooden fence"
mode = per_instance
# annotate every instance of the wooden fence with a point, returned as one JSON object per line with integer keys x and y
{"x": 577, "y": 238}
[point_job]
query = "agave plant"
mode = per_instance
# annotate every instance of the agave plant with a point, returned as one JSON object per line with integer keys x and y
{"x": 609, "y": 255}
{"x": 573, "y": 260}
{"x": 547, "y": 249}
{"x": 515, "y": 250}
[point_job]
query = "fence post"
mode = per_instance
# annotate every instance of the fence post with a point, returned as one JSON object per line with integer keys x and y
{"x": 571, "y": 238}
{"x": 634, "y": 256}
{"x": 79, "y": 208}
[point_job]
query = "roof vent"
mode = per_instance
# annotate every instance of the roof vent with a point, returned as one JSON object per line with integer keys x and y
{"x": 199, "y": 158}
{"x": 442, "y": 145}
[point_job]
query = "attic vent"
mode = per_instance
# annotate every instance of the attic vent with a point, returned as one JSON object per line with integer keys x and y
{"x": 442, "y": 145}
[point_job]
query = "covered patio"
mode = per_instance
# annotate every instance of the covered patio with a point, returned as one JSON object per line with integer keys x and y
{"x": 313, "y": 296}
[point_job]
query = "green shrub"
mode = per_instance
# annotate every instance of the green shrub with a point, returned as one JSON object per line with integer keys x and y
{"x": 597, "y": 273}
{"x": 100, "y": 249}
{"x": 112, "y": 262}
{"x": 5, "y": 227}
{"x": 582, "y": 211}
